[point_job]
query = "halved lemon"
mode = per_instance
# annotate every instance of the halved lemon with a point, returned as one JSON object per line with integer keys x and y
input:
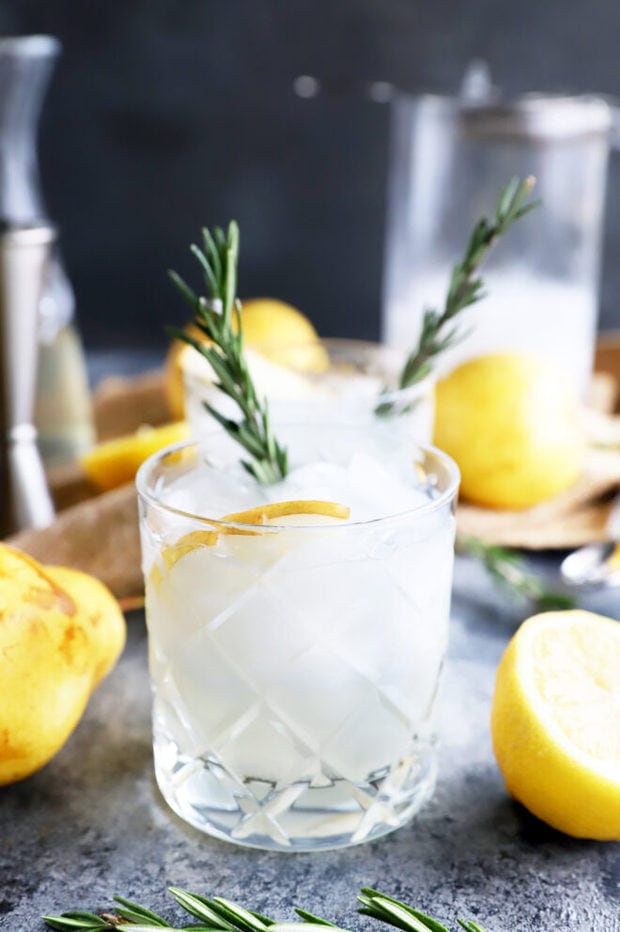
{"x": 555, "y": 721}
{"x": 116, "y": 462}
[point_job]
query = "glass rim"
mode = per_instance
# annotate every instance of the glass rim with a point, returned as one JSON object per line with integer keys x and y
{"x": 146, "y": 493}
{"x": 371, "y": 347}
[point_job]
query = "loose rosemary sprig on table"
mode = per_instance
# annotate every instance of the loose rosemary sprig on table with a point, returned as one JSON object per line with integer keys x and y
{"x": 466, "y": 287}
{"x": 217, "y": 914}
{"x": 506, "y": 568}
{"x": 395, "y": 913}
{"x": 221, "y": 915}
{"x": 219, "y": 318}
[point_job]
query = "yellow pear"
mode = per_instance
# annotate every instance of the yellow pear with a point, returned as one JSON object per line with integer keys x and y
{"x": 61, "y": 631}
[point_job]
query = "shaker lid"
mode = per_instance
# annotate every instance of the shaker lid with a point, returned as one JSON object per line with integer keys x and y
{"x": 542, "y": 116}
{"x": 34, "y": 46}
{"x": 31, "y": 234}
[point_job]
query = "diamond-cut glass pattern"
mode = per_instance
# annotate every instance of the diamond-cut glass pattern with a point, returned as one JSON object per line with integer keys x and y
{"x": 294, "y": 684}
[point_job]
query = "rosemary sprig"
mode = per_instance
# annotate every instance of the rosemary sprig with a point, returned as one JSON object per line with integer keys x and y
{"x": 221, "y": 915}
{"x": 506, "y": 568}
{"x": 218, "y": 317}
{"x": 465, "y": 287}
{"x": 216, "y": 915}
{"x": 395, "y": 913}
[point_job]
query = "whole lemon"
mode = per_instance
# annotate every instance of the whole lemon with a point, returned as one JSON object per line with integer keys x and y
{"x": 173, "y": 373}
{"x": 513, "y": 424}
{"x": 555, "y": 721}
{"x": 276, "y": 329}
{"x": 268, "y": 321}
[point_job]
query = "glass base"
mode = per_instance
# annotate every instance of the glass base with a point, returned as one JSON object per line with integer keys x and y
{"x": 308, "y": 815}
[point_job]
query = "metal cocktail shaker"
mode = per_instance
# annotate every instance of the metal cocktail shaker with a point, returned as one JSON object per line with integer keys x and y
{"x": 62, "y": 411}
{"x": 25, "y": 500}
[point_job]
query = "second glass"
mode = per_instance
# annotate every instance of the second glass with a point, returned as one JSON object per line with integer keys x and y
{"x": 330, "y": 380}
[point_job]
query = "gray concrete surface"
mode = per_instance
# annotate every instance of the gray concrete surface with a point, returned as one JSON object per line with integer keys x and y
{"x": 92, "y": 823}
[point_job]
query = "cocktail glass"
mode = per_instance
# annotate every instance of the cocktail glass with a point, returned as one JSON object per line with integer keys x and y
{"x": 295, "y": 665}
{"x": 327, "y": 380}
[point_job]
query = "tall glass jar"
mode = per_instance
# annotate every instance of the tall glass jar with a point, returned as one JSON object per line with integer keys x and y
{"x": 449, "y": 159}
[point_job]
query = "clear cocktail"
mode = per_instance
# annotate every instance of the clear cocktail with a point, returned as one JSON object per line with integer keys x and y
{"x": 296, "y": 644}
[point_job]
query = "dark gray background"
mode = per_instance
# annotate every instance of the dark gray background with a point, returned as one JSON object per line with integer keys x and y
{"x": 164, "y": 115}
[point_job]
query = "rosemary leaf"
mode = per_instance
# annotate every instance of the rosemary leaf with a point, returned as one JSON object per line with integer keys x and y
{"x": 186, "y": 291}
{"x": 402, "y": 916}
{"x": 211, "y": 277}
{"x": 396, "y": 913}
{"x": 314, "y": 920}
{"x": 240, "y": 918}
{"x": 230, "y": 290}
{"x": 136, "y": 913}
{"x": 141, "y": 927}
{"x": 309, "y": 926}
{"x": 76, "y": 919}
{"x": 200, "y": 907}
{"x": 212, "y": 252}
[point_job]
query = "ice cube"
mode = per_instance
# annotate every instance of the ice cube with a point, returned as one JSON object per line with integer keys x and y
{"x": 378, "y": 490}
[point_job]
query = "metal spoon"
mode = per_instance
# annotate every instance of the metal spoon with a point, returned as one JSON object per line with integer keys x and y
{"x": 591, "y": 566}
